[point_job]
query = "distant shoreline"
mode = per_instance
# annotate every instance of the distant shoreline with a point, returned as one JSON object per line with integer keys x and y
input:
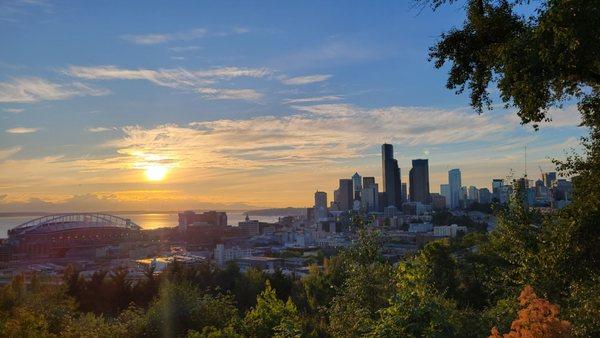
{"x": 292, "y": 211}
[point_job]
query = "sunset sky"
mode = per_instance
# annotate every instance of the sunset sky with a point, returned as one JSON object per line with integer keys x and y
{"x": 140, "y": 105}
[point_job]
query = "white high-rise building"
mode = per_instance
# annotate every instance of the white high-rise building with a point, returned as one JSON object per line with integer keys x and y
{"x": 454, "y": 181}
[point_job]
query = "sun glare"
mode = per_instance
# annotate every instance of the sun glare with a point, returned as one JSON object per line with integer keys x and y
{"x": 156, "y": 173}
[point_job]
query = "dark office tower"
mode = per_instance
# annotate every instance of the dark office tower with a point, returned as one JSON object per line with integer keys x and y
{"x": 382, "y": 201}
{"x": 344, "y": 195}
{"x": 390, "y": 176}
{"x": 404, "y": 192}
{"x": 497, "y": 184}
{"x": 397, "y": 185}
{"x": 419, "y": 182}
{"x": 549, "y": 178}
{"x": 368, "y": 181}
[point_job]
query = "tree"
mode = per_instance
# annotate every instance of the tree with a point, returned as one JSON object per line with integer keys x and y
{"x": 90, "y": 325}
{"x": 365, "y": 286}
{"x": 318, "y": 290}
{"x": 247, "y": 287}
{"x": 182, "y": 307}
{"x": 537, "y": 318}
{"x": 37, "y": 310}
{"x": 537, "y": 61}
{"x": 419, "y": 313}
{"x": 272, "y": 317}
{"x": 213, "y": 332}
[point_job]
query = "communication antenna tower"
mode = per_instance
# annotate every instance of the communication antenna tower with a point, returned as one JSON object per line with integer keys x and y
{"x": 525, "y": 162}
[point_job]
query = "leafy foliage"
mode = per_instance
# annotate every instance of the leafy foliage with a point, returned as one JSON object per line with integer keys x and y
{"x": 537, "y": 318}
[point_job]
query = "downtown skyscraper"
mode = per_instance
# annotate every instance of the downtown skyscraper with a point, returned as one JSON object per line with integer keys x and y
{"x": 391, "y": 177}
{"x": 454, "y": 181}
{"x": 320, "y": 205}
{"x": 344, "y": 196}
{"x": 419, "y": 181}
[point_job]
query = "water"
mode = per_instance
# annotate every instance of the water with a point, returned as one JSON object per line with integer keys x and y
{"x": 146, "y": 221}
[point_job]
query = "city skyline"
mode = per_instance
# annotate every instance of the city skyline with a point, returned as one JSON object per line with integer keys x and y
{"x": 191, "y": 112}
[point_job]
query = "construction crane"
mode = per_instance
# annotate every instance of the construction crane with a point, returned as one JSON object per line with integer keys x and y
{"x": 541, "y": 172}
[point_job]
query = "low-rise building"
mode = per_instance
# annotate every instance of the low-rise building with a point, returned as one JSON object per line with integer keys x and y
{"x": 448, "y": 230}
{"x": 223, "y": 255}
{"x": 420, "y": 227}
{"x": 259, "y": 262}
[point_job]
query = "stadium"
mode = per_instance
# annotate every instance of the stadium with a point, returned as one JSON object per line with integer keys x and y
{"x": 73, "y": 234}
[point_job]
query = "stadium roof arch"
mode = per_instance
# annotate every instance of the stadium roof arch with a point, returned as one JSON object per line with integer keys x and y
{"x": 59, "y": 222}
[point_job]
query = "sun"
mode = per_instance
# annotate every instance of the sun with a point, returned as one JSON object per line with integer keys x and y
{"x": 156, "y": 173}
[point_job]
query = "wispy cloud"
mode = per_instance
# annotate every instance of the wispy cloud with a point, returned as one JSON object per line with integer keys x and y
{"x": 173, "y": 78}
{"x": 21, "y": 130}
{"x": 189, "y": 35}
{"x": 313, "y": 99}
{"x": 567, "y": 116}
{"x": 12, "y": 10}
{"x": 8, "y": 152}
{"x": 182, "y": 49}
{"x": 302, "y": 80}
{"x": 333, "y": 51}
{"x": 34, "y": 89}
{"x": 241, "y": 30}
{"x": 230, "y": 94}
{"x": 14, "y": 110}
{"x": 157, "y": 38}
{"x": 99, "y": 129}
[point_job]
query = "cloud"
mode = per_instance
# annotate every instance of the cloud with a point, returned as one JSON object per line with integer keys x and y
{"x": 318, "y": 135}
{"x": 564, "y": 117}
{"x": 156, "y": 38}
{"x": 230, "y": 94}
{"x": 312, "y": 99}
{"x": 22, "y": 130}
{"x": 8, "y": 152}
{"x": 181, "y": 49}
{"x": 13, "y": 10}
{"x": 189, "y": 35}
{"x": 302, "y": 80}
{"x": 334, "y": 51}
{"x": 567, "y": 116}
{"x": 99, "y": 129}
{"x": 33, "y": 89}
{"x": 14, "y": 110}
{"x": 241, "y": 30}
{"x": 173, "y": 78}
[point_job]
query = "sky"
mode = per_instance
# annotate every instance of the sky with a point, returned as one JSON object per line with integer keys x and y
{"x": 147, "y": 105}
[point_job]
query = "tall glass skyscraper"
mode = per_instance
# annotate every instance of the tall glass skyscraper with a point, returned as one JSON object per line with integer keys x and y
{"x": 356, "y": 185}
{"x": 455, "y": 184}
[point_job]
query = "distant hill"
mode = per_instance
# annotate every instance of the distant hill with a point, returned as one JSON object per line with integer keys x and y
{"x": 289, "y": 211}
